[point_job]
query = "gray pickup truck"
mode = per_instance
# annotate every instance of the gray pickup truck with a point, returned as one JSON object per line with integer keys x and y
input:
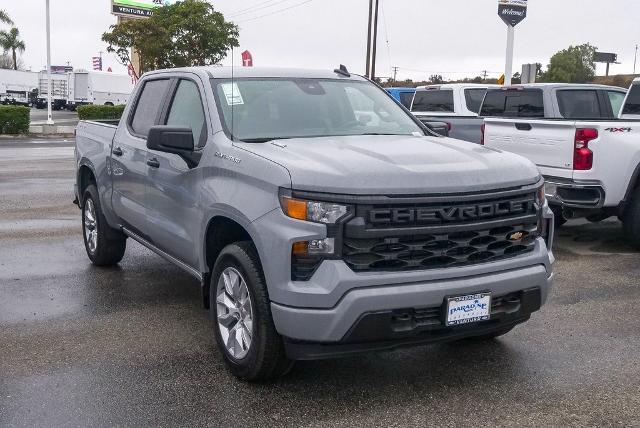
{"x": 316, "y": 229}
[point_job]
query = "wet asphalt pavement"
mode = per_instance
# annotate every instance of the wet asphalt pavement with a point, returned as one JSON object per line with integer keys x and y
{"x": 83, "y": 346}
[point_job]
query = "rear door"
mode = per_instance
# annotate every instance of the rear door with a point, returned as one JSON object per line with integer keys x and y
{"x": 129, "y": 156}
{"x": 514, "y": 122}
{"x": 172, "y": 194}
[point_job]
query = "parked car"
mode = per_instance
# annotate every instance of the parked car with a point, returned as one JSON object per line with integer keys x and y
{"x": 590, "y": 159}
{"x": 455, "y": 104}
{"x": 403, "y": 95}
{"x": 314, "y": 233}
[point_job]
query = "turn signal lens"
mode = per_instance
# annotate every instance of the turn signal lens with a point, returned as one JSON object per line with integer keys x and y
{"x": 300, "y": 248}
{"x": 294, "y": 208}
{"x": 315, "y": 247}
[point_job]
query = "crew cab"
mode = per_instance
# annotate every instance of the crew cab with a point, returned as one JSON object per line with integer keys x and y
{"x": 455, "y": 104}
{"x": 590, "y": 159}
{"x": 319, "y": 225}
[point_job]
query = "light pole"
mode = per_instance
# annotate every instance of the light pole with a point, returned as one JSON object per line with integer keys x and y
{"x": 635, "y": 59}
{"x": 49, "y": 118}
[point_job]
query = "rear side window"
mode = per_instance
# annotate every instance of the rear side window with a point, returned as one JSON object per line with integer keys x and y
{"x": 513, "y": 103}
{"x": 579, "y": 104}
{"x": 148, "y": 106}
{"x": 474, "y": 98}
{"x": 616, "y": 99}
{"x": 186, "y": 110}
{"x": 632, "y": 106}
{"x": 406, "y": 98}
{"x": 434, "y": 101}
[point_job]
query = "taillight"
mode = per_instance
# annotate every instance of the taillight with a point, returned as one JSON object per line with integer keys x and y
{"x": 482, "y": 134}
{"x": 582, "y": 155}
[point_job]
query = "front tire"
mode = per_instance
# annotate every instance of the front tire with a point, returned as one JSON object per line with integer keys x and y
{"x": 105, "y": 246}
{"x": 241, "y": 313}
{"x": 631, "y": 220}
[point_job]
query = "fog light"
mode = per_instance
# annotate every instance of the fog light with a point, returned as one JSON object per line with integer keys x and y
{"x": 315, "y": 247}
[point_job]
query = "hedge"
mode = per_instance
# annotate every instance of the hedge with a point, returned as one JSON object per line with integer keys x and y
{"x": 14, "y": 119}
{"x": 96, "y": 112}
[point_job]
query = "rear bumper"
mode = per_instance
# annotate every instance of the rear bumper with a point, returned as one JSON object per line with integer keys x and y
{"x": 583, "y": 194}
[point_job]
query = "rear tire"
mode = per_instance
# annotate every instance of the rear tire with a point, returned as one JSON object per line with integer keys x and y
{"x": 631, "y": 220}
{"x": 105, "y": 246}
{"x": 241, "y": 313}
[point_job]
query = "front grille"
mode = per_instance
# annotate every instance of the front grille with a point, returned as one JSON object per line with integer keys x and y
{"x": 436, "y": 233}
{"x": 438, "y": 251}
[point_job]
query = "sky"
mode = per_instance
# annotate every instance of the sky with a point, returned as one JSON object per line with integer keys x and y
{"x": 456, "y": 39}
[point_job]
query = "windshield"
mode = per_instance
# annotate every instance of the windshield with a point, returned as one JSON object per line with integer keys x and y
{"x": 263, "y": 109}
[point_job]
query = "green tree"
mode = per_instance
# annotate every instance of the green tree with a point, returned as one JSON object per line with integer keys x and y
{"x": 186, "y": 33}
{"x": 572, "y": 65}
{"x": 10, "y": 41}
{"x": 4, "y": 17}
{"x": 436, "y": 79}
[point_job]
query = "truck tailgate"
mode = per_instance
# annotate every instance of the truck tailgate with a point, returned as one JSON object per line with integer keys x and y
{"x": 547, "y": 143}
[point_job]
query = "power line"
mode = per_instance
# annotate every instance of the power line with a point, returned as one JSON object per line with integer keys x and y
{"x": 276, "y": 11}
{"x": 257, "y": 7}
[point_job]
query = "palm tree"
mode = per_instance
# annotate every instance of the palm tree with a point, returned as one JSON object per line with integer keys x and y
{"x": 4, "y": 17}
{"x": 10, "y": 41}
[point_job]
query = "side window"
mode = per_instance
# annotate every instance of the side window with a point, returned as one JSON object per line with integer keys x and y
{"x": 186, "y": 110}
{"x": 616, "y": 98}
{"x": 579, "y": 104}
{"x": 430, "y": 100}
{"x": 148, "y": 105}
{"x": 474, "y": 98}
{"x": 632, "y": 106}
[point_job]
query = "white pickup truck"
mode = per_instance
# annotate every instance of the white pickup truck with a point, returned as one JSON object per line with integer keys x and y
{"x": 455, "y": 104}
{"x": 589, "y": 158}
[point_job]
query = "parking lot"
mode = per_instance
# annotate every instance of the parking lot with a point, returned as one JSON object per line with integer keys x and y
{"x": 132, "y": 345}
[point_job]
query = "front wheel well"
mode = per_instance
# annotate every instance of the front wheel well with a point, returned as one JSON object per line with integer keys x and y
{"x": 221, "y": 232}
{"x": 85, "y": 178}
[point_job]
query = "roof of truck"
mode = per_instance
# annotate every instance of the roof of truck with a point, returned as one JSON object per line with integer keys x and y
{"x": 561, "y": 85}
{"x": 456, "y": 85}
{"x": 242, "y": 72}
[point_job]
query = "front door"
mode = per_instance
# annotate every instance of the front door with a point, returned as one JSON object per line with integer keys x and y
{"x": 172, "y": 192}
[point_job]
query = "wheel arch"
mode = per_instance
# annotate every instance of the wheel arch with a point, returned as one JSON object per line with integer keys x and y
{"x": 221, "y": 231}
{"x": 86, "y": 176}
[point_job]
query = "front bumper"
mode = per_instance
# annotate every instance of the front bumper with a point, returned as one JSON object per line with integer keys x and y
{"x": 583, "y": 194}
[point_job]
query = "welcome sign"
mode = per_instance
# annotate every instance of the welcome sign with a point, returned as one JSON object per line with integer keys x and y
{"x": 512, "y": 12}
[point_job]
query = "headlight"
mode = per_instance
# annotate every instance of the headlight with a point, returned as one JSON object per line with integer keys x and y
{"x": 318, "y": 212}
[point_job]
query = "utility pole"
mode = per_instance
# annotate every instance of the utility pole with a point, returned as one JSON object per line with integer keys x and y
{"x": 372, "y": 38}
{"x": 635, "y": 59}
{"x": 395, "y": 73}
{"x": 49, "y": 118}
{"x": 484, "y": 75}
{"x": 368, "y": 73}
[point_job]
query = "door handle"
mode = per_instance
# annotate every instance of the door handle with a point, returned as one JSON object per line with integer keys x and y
{"x": 117, "y": 151}
{"x": 523, "y": 126}
{"x": 153, "y": 163}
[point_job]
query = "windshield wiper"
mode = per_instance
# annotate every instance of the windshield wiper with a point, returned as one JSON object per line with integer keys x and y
{"x": 263, "y": 139}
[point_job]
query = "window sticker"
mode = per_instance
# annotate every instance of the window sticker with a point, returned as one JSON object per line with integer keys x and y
{"x": 232, "y": 94}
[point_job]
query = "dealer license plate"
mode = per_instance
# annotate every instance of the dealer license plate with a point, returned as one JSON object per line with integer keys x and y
{"x": 468, "y": 309}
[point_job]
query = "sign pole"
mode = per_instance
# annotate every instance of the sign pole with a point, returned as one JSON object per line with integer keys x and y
{"x": 508, "y": 68}
{"x": 49, "y": 118}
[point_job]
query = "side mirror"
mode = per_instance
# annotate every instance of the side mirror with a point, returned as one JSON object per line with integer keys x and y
{"x": 174, "y": 139}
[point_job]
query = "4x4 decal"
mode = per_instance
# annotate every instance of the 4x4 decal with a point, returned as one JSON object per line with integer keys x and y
{"x": 618, "y": 129}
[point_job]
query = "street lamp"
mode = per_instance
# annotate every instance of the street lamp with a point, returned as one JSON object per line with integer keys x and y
{"x": 49, "y": 118}
{"x": 635, "y": 59}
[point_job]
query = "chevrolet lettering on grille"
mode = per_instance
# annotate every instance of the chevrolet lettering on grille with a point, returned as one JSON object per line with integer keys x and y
{"x": 440, "y": 215}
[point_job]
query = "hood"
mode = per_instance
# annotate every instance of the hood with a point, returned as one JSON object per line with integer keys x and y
{"x": 381, "y": 164}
